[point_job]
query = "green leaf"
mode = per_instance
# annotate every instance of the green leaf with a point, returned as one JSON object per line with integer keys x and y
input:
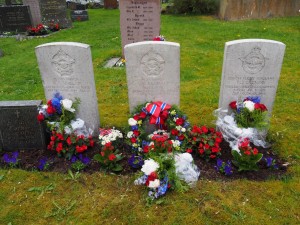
{"x": 97, "y": 157}
{"x": 1, "y": 177}
{"x": 117, "y": 168}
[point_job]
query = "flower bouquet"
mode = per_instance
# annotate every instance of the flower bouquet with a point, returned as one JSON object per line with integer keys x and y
{"x": 249, "y": 119}
{"x": 110, "y": 140}
{"x": 246, "y": 157}
{"x": 169, "y": 123}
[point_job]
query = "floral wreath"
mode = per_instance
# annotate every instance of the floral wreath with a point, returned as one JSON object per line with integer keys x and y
{"x": 166, "y": 118}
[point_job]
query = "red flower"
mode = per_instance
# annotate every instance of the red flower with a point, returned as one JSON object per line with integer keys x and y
{"x": 146, "y": 149}
{"x": 136, "y": 133}
{"x": 233, "y": 105}
{"x": 196, "y": 130}
{"x": 80, "y": 149}
{"x": 206, "y": 146}
{"x": 156, "y": 39}
{"x": 189, "y": 150}
{"x": 247, "y": 152}
{"x": 174, "y": 132}
{"x": 133, "y": 140}
{"x": 218, "y": 140}
{"x": 214, "y": 150}
{"x": 136, "y": 117}
{"x": 201, "y": 151}
{"x": 255, "y": 151}
{"x": 40, "y": 117}
{"x": 143, "y": 115}
{"x": 152, "y": 176}
{"x": 60, "y": 136}
{"x": 92, "y": 142}
{"x": 111, "y": 157}
{"x": 50, "y": 110}
{"x": 181, "y": 137}
{"x": 179, "y": 121}
{"x": 261, "y": 107}
{"x": 204, "y": 129}
{"x": 212, "y": 156}
{"x": 59, "y": 147}
{"x": 69, "y": 141}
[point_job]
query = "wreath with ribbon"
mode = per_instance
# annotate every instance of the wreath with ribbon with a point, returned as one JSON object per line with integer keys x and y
{"x": 165, "y": 118}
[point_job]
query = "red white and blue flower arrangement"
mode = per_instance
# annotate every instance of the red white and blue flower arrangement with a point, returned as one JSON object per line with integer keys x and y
{"x": 69, "y": 136}
{"x": 162, "y": 148}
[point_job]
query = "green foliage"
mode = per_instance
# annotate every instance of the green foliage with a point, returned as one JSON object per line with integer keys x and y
{"x": 59, "y": 212}
{"x": 73, "y": 176}
{"x": 109, "y": 160}
{"x": 42, "y": 190}
{"x": 246, "y": 162}
{"x": 1, "y": 177}
{"x": 195, "y": 6}
{"x": 78, "y": 165}
{"x": 257, "y": 118}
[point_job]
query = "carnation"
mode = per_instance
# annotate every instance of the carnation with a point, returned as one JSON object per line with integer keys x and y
{"x": 132, "y": 122}
{"x": 149, "y": 166}
{"x": 249, "y": 105}
{"x": 67, "y": 104}
{"x": 154, "y": 184}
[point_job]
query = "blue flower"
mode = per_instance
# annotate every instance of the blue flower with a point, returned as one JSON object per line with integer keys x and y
{"x": 219, "y": 163}
{"x": 255, "y": 99}
{"x": 86, "y": 160}
{"x": 136, "y": 161}
{"x": 11, "y": 160}
{"x": 135, "y": 127}
{"x": 58, "y": 96}
{"x": 56, "y": 104}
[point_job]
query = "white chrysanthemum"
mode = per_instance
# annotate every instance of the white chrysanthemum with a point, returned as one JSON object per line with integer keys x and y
{"x": 249, "y": 105}
{"x": 183, "y": 129}
{"x": 154, "y": 184}
{"x": 178, "y": 128}
{"x": 149, "y": 166}
{"x": 132, "y": 122}
{"x": 175, "y": 143}
{"x": 67, "y": 104}
{"x": 130, "y": 134}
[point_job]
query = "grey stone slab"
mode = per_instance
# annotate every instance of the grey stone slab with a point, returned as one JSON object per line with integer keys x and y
{"x": 35, "y": 11}
{"x": 19, "y": 127}
{"x": 66, "y": 67}
{"x": 55, "y": 11}
{"x": 112, "y": 62}
{"x": 251, "y": 67}
{"x": 153, "y": 72}
{"x": 15, "y": 18}
{"x": 139, "y": 20}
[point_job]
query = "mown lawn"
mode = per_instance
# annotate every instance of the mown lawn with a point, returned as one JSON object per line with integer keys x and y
{"x": 109, "y": 199}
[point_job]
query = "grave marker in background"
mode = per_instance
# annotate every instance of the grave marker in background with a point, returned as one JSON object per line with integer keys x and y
{"x": 153, "y": 72}
{"x": 251, "y": 67}
{"x": 66, "y": 67}
{"x": 19, "y": 127}
{"x": 35, "y": 11}
{"x": 111, "y": 4}
{"x": 53, "y": 12}
{"x": 79, "y": 15}
{"x": 15, "y": 18}
{"x": 139, "y": 20}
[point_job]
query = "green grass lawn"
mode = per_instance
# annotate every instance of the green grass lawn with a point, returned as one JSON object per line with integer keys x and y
{"x": 109, "y": 199}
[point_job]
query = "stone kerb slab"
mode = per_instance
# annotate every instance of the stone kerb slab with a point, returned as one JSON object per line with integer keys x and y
{"x": 66, "y": 67}
{"x": 19, "y": 128}
{"x": 251, "y": 67}
{"x": 153, "y": 72}
{"x": 139, "y": 20}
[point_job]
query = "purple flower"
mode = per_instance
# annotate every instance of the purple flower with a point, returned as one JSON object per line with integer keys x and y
{"x": 136, "y": 161}
{"x": 86, "y": 160}
{"x": 11, "y": 160}
{"x": 271, "y": 162}
{"x": 135, "y": 127}
{"x": 228, "y": 169}
{"x": 42, "y": 163}
{"x": 73, "y": 159}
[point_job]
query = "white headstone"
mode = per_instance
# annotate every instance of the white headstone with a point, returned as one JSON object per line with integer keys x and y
{"x": 153, "y": 72}
{"x": 251, "y": 67}
{"x": 66, "y": 67}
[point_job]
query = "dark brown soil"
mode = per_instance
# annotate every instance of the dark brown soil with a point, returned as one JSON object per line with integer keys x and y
{"x": 29, "y": 160}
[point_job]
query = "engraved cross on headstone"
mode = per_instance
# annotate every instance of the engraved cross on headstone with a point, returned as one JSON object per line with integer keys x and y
{"x": 17, "y": 112}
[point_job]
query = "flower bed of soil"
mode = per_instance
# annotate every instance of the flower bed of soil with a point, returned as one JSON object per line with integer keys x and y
{"x": 29, "y": 160}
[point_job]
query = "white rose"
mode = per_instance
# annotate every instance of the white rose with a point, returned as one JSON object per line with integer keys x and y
{"x": 249, "y": 105}
{"x": 67, "y": 104}
{"x": 149, "y": 166}
{"x": 154, "y": 184}
{"x": 132, "y": 122}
